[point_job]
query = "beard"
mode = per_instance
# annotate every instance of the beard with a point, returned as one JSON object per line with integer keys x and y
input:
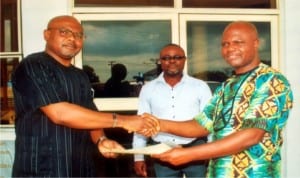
{"x": 69, "y": 54}
{"x": 173, "y": 73}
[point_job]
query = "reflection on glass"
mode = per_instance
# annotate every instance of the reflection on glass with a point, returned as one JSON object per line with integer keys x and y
{"x": 9, "y": 24}
{"x": 263, "y": 4}
{"x": 122, "y": 3}
{"x": 204, "y": 49}
{"x": 7, "y": 104}
{"x": 134, "y": 44}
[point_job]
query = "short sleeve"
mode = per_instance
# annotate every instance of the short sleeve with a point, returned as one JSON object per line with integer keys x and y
{"x": 270, "y": 104}
{"x": 37, "y": 84}
{"x": 205, "y": 118}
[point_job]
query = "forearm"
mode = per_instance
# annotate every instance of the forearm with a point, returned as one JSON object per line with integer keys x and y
{"x": 75, "y": 116}
{"x": 189, "y": 128}
{"x": 229, "y": 145}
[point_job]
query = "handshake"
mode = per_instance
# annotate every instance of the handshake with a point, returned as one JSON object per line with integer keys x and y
{"x": 145, "y": 124}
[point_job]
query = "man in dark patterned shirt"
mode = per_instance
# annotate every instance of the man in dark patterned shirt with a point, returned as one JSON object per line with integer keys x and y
{"x": 57, "y": 122}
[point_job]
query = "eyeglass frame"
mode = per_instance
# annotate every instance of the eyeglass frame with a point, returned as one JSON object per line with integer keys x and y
{"x": 64, "y": 32}
{"x": 176, "y": 58}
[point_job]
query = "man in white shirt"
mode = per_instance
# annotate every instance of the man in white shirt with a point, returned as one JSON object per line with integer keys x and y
{"x": 177, "y": 96}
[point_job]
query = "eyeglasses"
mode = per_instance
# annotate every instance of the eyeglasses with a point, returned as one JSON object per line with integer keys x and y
{"x": 69, "y": 33}
{"x": 168, "y": 58}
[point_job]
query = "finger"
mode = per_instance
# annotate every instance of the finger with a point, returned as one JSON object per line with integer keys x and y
{"x": 145, "y": 132}
{"x": 118, "y": 146}
{"x": 150, "y": 132}
{"x": 150, "y": 124}
{"x": 153, "y": 119}
{"x": 157, "y": 124}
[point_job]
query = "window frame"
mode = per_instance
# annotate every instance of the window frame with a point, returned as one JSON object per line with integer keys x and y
{"x": 19, "y": 36}
{"x": 273, "y": 20}
{"x": 179, "y": 33}
{"x": 14, "y": 54}
{"x": 128, "y": 103}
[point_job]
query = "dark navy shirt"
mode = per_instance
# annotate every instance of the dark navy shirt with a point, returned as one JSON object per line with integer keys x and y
{"x": 44, "y": 149}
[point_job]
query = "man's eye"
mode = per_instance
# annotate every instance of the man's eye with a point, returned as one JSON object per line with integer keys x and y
{"x": 178, "y": 57}
{"x": 239, "y": 42}
{"x": 64, "y": 32}
{"x": 78, "y": 35}
{"x": 224, "y": 44}
{"x": 166, "y": 58}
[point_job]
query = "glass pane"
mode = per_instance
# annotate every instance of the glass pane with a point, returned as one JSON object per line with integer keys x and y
{"x": 204, "y": 49}
{"x": 264, "y": 4}
{"x": 9, "y": 24}
{"x": 123, "y": 45}
{"x": 7, "y": 103}
{"x": 123, "y": 3}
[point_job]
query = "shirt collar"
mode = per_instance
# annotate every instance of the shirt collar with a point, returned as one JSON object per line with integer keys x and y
{"x": 161, "y": 78}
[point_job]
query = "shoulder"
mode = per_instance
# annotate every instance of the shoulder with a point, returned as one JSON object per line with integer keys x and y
{"x": 155, "y": 84}
{"x": 29, "y": 63}
{"x": 266, "y": 73}
{"x": 271, "y": 81}
{"x": 36, "y": 56}
{"x": 195, "y": 81}
{"x": 77, "y": 69}
{"x": 35, "y": 60}
{"x": 151, "y": 83}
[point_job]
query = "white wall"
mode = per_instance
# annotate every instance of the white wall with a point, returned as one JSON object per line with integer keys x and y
{"x": 35, "y": 16}
{"x": 36, "y": 13}
{"x": 291, "y": 39}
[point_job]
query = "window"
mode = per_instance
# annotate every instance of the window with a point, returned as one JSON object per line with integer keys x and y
{"x": 202, "y": 37}
{"x": 261, "y": 4}
{"x": 122, "y": 3}
{"x": 129, "y": 40}
{"x": 195, "y": 25}
{"x": 10, "y": 55}
{"x": 136, "y": 49}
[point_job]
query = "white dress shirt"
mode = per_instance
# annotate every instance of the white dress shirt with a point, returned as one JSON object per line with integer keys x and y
{"x": 179, "y": 103}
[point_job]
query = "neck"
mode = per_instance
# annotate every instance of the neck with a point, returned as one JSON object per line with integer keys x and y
{"x": 240, "y": 71}
{"x": 63, "y": 61}
{"x": 172, "y": 80}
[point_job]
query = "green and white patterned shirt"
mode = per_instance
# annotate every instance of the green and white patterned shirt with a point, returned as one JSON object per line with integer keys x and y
{"x": 261, "y": 98}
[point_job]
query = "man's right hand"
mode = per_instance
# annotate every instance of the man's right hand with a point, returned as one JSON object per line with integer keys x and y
{"x": 144, "y": 125}
{"x": 140, "y": 168}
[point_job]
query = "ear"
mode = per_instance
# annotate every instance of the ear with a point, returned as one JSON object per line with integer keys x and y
{"x": 47, "y": 34}
{"x": 256, "y": 43}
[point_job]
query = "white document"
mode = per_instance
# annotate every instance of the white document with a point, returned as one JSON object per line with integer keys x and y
{"x": 148, "y": 150}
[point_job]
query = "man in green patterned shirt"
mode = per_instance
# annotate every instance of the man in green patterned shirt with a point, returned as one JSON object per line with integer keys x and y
{"x": 245, "y": 117}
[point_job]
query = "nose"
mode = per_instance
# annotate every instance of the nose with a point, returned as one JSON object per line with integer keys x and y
{"x": 172, "y": 60}
{"x": 231, "y": 47}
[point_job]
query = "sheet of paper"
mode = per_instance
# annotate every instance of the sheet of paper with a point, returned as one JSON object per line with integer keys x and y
{"x": 148, "y": 150}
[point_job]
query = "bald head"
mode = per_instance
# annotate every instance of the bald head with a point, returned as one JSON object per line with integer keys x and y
{"x": 58, "y": 20}
{"x": 240, "y": 46}
{"x": 172, "y": 45}
{"x": 247, "y": 27}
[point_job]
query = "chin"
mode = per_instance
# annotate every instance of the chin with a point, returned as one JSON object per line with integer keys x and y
{"x": 234, "y": 63}
{"x": 172, "y": 72}
{"x": 69, "y": 58}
